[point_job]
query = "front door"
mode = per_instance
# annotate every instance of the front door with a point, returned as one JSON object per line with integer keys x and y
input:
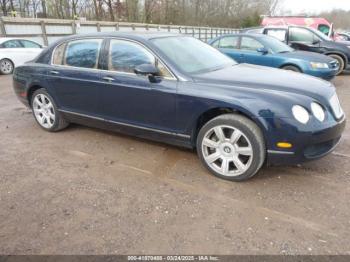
{"x": 132, "y": 99}
{"x": 249, "y": 52}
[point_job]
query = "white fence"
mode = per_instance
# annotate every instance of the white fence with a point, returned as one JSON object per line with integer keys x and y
{"x": 46, "y": 31}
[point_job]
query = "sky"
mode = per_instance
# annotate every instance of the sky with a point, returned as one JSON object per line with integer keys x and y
{"x": 313, "y": 6}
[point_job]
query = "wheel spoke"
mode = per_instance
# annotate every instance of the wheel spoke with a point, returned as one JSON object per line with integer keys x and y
{"x": 37, "y": 101}
{"x": 246, "y": 151}
{"x": 213, "y": 157}
{"x": 210, "y": 143}
{"x": 225, "y": 166}
{"x": 219, "y": 133}
{"x": 236, "y": 135}
{"x": 238, "y": 164}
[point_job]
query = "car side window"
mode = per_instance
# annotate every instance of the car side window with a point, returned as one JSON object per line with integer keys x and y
{"x": 301, "y": 35}
{"x": 124, "y": 56}
{"x": 12, "y": 44}
{"x": 58, "y": 55}
{"x": 280, "y": 34}
{"x": 229, "y": 42}
{"x": 29, "y": 44}
{"x": 250, "y": 44}
{"x": 83, "y": 53}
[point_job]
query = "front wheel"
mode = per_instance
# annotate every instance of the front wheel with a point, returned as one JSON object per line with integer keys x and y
{"x": 291, "y": 68}
{"x": 340, "y": 61}
{"x": 232, "y": 147}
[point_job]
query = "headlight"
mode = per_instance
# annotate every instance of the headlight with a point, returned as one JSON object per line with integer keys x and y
{"x": 318, "y": 111}
{"x": 301, "y": 114}
{"x": 316, "y": 65}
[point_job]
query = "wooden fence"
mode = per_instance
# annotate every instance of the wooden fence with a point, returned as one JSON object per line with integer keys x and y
{"x": 46, "y": 31}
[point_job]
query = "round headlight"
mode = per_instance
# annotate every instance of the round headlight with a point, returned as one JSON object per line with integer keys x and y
{"x": 301, "y": 114}
{"x": 318, "y": 111}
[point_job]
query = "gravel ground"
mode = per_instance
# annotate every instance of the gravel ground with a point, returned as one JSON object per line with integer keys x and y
{"x": 87, "y": 191}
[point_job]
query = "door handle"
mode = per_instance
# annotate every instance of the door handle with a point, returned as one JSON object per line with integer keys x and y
{"x": 54, "y": 72}
{"x": 109, "y": 79}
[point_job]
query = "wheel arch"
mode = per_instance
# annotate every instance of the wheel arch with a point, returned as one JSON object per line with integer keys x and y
{"x": 291, "y": 64}
{"x": 210, "y": 114}
{"x": 31, "y": 91}
{"x": 342, "y": 55}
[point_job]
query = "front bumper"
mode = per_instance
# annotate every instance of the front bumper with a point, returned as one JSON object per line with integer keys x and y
{"x": 326, "y": 74}
{"x": 307, "y": 144}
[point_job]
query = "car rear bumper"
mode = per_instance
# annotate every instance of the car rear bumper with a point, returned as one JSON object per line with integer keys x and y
{"x": 308, "y": 146}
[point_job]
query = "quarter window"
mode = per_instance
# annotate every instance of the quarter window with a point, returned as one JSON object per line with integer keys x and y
{"x": 81, "y": 53}
{"x": 124, "y": 56}
{"x": 250, "y": 44}
{"x": 229, "y": 42}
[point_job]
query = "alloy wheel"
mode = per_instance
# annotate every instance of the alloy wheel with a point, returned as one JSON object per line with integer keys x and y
{"x": 227, "y": 151}
{"x": 6, "y": 66}
{"x": 44, "y": 111}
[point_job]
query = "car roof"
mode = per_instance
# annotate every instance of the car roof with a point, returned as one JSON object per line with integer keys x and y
{"x": 127, "y": 34}
{"x": 4, "y": 39}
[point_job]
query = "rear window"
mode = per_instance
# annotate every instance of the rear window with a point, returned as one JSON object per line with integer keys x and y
{"x": 79, "y": 53}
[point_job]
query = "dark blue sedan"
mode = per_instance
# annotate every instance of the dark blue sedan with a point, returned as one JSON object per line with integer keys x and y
{"x": 268, "y": 51}
{"x": 179, "y": 90}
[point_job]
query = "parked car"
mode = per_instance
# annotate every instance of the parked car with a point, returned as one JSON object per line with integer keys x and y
{"x": 179, "y": 90}
{"x": 16, "y": 52}
{"x": 268, "y": 51}
{"x": 344, "y": 36}
{"x": 308, "y": 39}
{"x": 318, "y": 23}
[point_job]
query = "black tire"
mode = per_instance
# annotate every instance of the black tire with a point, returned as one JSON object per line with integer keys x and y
{"x": 341, "y": 62}
{"x": 59, "y": 122}
{"x": 291, "y": 68}
{"x": 6, "y": 66}
{"x": 250, "y": 130}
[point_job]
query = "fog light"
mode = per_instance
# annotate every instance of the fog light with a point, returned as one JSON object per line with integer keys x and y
{"x": 284, "y": 145}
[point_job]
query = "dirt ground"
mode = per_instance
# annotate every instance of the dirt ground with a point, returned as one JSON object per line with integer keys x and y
{"x": 87, "y": 191}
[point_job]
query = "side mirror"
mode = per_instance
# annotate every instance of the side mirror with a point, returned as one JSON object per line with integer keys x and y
{"x": 262, "y": 50}
{"x": 316, "y": 42}
{"x": 148, "y": 70}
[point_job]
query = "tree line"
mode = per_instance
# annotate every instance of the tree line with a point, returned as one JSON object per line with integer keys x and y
{"x": 219, "y": 13}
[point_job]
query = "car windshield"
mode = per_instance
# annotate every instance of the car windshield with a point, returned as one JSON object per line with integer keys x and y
{"x": 276, "y": 46}
{"x": 192, "y": 55}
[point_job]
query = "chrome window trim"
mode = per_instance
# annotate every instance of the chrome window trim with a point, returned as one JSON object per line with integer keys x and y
{"x": 125, "y": 124}
{"x": 173, "y": 78}
{"x": 280, "y": 152}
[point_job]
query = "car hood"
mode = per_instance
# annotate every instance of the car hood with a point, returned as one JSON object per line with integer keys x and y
{"x": 308, "y": 56}
{"x": 268, "y": 79}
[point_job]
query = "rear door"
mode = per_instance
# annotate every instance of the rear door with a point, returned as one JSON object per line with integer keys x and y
{"x": 31, "y": 48}
{"x": 74, "y": 76}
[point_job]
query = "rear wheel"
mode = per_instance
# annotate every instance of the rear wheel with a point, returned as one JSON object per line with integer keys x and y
{"x": 6, "y": 67}
{"x": 340, "y": 61}
{"x": 291, "y": 68}
{"x": 46, "y": 113}
{"x": 231, "y": 147}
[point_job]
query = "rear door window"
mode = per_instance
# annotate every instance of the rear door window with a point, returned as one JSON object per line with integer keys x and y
{"x": 280, "y": 34}
{"x": 229, "y": 42}
{"x": 81, "y": 53}
{"x": 29, "y": 44}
